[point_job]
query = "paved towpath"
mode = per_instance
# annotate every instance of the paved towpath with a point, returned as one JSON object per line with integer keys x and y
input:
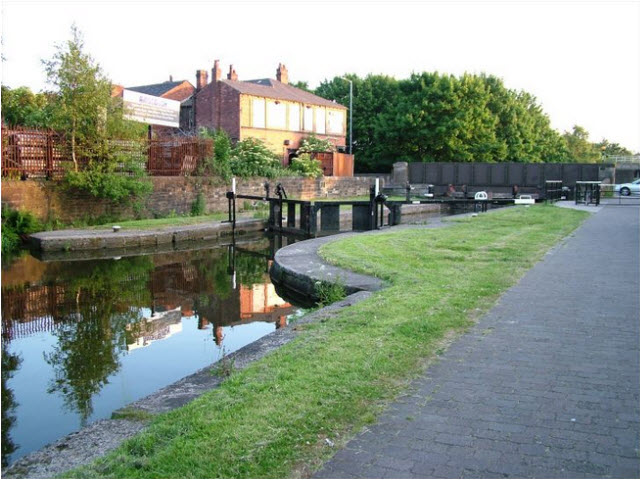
{"x": 546, "y": 384}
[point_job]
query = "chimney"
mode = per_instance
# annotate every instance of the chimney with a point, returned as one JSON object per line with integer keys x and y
{"x": 282, "y": 75}
{"x": 202, "y": 78}
{"x": 216, "y": 73}
{"x": 171, "y": 78}
{"x": 232, "y": 75}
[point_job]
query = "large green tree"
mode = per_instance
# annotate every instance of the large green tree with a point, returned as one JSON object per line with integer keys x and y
{"x": 436, "y": 117}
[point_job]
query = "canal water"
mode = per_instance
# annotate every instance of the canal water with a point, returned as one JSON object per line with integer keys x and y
{"x": 82, "y": 338}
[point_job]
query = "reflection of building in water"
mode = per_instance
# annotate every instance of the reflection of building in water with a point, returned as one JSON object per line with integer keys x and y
{"x": 159, "y": 326}
{"x": 200, "y": 286}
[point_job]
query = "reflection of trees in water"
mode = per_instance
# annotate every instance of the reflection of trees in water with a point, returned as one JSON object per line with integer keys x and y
{"x": 96, "y": 300}
{"x": 215, "y": 273}
{"x": 10, "y": 364}
{"x": 92, "y": 336}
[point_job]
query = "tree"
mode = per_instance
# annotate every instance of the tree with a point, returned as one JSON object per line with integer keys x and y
{"x": 578, "y": 146}
{"x": 436, "y": 117}
{"x": 83, "y": 100}
{"x": 609, "y": 149}
{"x": 20, "y": 106}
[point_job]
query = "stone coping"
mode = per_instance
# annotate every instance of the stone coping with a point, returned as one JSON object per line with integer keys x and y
{"x": 69, "y": 240}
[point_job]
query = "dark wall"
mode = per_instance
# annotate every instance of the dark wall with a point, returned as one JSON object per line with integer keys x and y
{"x": 502, "y": 175}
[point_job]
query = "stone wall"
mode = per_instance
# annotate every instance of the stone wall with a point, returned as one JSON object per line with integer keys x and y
{"x": 170, "y": 194}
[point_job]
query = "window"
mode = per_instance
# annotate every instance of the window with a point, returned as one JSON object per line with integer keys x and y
{"x": 276, "y": 115}
{"x": 336, "y": 122}
{"x": 320, "y": 120}
{"x": 258, "y": 112}
{"x": 294, "y": 117}
{"x": 308, "y": 119}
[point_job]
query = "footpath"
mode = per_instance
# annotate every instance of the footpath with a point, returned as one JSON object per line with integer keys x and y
{"x": 545, "y": 385}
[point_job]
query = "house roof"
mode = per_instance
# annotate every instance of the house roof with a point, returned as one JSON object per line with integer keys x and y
{"x": 270, "y": 88}
{"x": 157, "y": 89}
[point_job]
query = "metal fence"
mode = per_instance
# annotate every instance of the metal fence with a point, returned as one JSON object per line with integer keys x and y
{"x": 610, "y": 195}
{"x": 177, "y": 155}
{"x": 32, "y": 152}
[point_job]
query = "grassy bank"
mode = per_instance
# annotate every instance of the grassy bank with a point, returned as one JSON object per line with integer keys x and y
{"x": 274, "y": 418}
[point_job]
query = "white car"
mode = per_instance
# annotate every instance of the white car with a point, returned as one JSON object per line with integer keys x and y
{"x": 626, "y": 189}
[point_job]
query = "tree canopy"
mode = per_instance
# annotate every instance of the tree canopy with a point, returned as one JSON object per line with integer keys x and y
{"x": 434, "y": 117}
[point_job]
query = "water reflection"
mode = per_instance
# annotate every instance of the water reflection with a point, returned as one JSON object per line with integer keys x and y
{"x": 81, "y": 324}
{"x": 10, "y": 364}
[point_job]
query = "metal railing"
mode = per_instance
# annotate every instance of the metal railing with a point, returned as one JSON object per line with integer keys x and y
{"x": 553, "y": 191}
{"x": 587, "y": 193}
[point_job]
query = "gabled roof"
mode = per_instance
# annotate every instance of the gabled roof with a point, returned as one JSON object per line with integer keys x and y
{"x": 270, "y": 88}
{"x": 157, "y": 89}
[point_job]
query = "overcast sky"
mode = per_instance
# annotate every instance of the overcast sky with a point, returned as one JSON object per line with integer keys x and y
{"x": 581, "y": 59}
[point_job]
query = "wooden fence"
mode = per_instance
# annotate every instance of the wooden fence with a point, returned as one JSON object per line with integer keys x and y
{"x": 335, "y": 164}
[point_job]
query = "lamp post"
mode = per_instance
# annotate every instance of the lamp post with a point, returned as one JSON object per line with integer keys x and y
{"x": 350, "y": 114}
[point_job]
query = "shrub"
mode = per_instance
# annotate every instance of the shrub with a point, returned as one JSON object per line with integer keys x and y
{"x": 252, "y": 158}
{"x": 15, "y": 226}
{"x": 306, "y": 166}
{"x": 220, "y": 162}
{"x": 118, "y": 179}
{"x": 199, "y": 205}
{"x": 314, "y": 144}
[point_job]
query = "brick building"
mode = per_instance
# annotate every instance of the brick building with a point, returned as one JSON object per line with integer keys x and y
{"x": 180, "y": 90}
{"x": 268, "y": 109}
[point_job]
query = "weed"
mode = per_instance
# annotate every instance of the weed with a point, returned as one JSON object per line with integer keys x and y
{"x": 129, "y": 413}
{"x": 199, "y": 205}
{"x": 225, "y": 366}
{"x": 328, "y": 293}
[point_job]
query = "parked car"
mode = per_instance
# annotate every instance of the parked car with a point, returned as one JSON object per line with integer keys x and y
{"x": 626, "y": 189}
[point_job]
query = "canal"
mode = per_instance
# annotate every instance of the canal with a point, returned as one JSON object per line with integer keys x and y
{"x": 82, "y": 338}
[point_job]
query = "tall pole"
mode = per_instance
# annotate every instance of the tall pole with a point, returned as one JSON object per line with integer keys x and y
{"x": 350, "y": 117}
{"x": 350, "y": 114}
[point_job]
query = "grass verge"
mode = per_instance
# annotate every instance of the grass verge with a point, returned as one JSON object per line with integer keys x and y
{"x": 150, "y": 223}
{"x": 273, "y": 418}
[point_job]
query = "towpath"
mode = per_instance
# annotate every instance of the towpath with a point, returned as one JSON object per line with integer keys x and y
{"x": 546, "y": 384}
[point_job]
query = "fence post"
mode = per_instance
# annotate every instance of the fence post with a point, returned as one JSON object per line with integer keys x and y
{"x": 49, "y": 155}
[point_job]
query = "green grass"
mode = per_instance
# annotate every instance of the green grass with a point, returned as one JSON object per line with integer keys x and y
{"x": 151, "y": 223}
{"x": 272, "y": 419}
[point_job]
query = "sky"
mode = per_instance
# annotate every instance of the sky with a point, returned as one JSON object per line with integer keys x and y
{"x": 581, "y": 59}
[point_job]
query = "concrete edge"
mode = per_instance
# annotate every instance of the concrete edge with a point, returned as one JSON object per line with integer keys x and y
{"x": 71, "y": 240}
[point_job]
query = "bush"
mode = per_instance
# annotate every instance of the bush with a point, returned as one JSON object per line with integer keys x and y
{"x": 314, "y": 144}
{"x": 118, "y": 179}
{"x": 199, "y": 206}
{"x": 306, "y": 166}
{"x": 252, "y": 158}
{"x": 16, "y": 225}
{"x": 220, "y": 162}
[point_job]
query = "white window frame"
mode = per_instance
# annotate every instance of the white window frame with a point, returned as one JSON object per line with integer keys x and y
{"x": 294, "y": 118}
{"x": 321, "y": 120}
{"x": 258, "y": 113}
{"x": 307, "y": 123}
{"x": 336, "y": 122}
{"x": 276, "y": 115}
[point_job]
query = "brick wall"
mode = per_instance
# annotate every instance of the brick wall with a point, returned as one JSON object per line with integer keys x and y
{"x": 218, "y": 106}
{"x": 169, "y": 194}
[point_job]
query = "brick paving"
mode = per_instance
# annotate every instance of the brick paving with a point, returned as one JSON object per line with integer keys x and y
{"x": 546, "y": 385}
